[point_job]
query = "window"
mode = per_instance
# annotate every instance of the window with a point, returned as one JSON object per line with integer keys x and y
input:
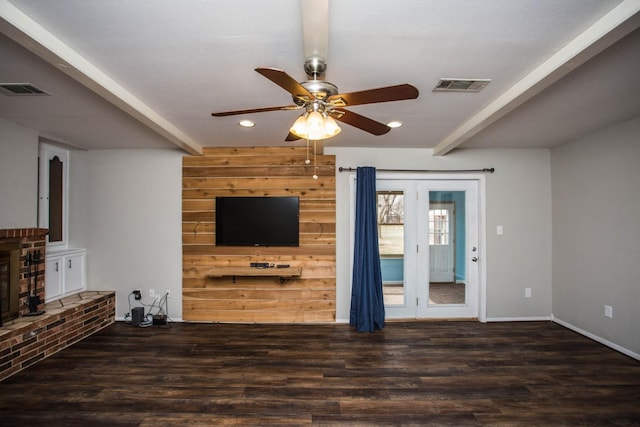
{"x": 438, "y": 227}
{"x": 391, "y": 245}
{"x": 391, "y": 222}
{"x": 52, "y": 193}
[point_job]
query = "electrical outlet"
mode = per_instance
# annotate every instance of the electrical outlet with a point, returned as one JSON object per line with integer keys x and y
{"x": 608, "y": 311}
{"x": 527, "y": 292}
{"x": 152, "y": 293}
{"x": 137, "y": 294}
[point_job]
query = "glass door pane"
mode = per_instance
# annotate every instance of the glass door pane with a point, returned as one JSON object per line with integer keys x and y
{"x": 391, "y": 241}
{"x": 446, "y": 229}
{"x": 447, "y": 257}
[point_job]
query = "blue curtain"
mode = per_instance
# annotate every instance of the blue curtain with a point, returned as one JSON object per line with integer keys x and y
{"x": 367, "y": 304}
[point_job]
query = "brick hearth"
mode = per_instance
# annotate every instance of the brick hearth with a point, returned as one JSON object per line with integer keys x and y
{"x": 29, "y": 339}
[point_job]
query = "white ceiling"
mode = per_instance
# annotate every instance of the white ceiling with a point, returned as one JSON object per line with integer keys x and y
{"x": 143, "y": 74}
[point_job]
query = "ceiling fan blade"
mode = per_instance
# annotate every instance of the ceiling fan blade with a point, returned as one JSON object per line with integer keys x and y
{"x": 371, "y": 96}
{"x": 286, "y": 82}
{"x": 255, "y": 110}
{"x": 292, "y": 137}
{"x": 361, "y": 122}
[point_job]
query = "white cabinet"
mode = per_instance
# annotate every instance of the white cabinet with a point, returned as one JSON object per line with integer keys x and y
{"x": 64, "y": 273}
{"x": 52, "y": 278}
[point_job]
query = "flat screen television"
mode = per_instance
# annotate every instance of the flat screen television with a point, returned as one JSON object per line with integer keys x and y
{"x": 257, "y": 221}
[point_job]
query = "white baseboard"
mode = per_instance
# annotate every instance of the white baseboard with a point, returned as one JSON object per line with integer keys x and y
{"x": 608, "y": 343}
{"x": 519, "y": 319}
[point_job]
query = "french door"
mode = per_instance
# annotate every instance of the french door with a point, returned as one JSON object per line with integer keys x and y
{"x": 428, "y": 232}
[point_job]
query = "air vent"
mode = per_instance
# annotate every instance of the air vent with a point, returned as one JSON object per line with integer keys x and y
{"x": 461, "y": 85}
{"x": 21, "y": 89}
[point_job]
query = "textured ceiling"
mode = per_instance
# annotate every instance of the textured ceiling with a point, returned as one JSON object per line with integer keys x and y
{"x": 182, "y": 60}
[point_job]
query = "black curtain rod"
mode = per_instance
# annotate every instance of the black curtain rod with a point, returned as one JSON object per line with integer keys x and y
{"x": 485, "y": 170}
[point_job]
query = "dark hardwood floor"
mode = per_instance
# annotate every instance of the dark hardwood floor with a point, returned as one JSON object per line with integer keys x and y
{"x": 421, "y": 373}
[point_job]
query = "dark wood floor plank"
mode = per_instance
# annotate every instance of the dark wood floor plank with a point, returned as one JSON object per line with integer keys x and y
{"x": 411, "y": 373}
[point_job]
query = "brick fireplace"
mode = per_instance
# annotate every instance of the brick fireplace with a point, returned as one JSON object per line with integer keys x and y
{"x": 36, "y": 332}
{"x": 22, "y": 256}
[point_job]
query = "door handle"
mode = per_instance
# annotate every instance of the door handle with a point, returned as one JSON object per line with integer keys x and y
{"x": 474, "y": 259}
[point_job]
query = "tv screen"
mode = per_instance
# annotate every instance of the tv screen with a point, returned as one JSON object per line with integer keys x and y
{"x": 257, "y": 221}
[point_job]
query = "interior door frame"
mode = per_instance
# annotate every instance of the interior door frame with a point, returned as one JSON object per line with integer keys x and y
{"x": 482, "y": 229}
{"x": 470, "y": 309}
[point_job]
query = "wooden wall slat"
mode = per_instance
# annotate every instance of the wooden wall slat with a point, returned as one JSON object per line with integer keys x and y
{"x": 235, "y": 152}
{"x": 257, "y": 252}
{"x": 204, "y": 262}
{"x": 301, "y": 184}
{"x": 236, "y": 160}
{"x": 208, "y": 227}
{"x": 258, "y": 171}
{"x": 247, "y": 316}
{"x": 305, "y": 239}
{"x": 202, "y": 282}
{"x": 310, "y": 271}
{"x": 203, "y": 193}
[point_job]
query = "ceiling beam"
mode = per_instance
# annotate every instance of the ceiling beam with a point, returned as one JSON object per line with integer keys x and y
{"x": 22, "y": 29}
{"x": 610, "y": 28}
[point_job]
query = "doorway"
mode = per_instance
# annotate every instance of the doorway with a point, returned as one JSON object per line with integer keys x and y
{"x": 429, "y": 238}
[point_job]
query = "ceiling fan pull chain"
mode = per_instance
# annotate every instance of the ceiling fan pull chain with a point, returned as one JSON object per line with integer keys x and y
{"x": 315, "y": 165}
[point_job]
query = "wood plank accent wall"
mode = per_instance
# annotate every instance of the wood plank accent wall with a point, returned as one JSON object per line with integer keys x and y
{"x": 258, "y": 171}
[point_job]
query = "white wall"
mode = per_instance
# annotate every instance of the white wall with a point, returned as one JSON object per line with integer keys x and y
{"x": 518, "y": 197}
{"x": 596, "y": 233}
{"x": 131, "y": 222}
{"x": 18, "y": 176}
{"x": 124, "y": 207}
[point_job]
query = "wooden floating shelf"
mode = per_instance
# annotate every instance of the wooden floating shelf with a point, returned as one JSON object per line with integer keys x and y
{"x": 282, "y": 273}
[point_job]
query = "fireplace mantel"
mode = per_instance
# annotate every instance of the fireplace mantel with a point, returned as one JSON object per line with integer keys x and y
{"x": 13, "y": 233}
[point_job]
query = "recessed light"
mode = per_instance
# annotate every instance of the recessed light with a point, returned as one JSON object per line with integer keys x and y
{"x": 246, "y": 123}
{"x": 394, "y": 124}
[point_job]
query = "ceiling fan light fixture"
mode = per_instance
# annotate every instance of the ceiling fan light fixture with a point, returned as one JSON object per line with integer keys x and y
{"x": 299, "y": 126}
{"x": 330, "y": 126}
{"x": 315, "y": 126}
{"x": 246, "y": 123}
{"x": 394, "y": 124}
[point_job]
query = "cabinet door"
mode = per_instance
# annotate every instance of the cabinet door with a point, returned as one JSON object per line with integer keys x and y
{"x": 74, "y": 273}
{"x": 53, "y": 269}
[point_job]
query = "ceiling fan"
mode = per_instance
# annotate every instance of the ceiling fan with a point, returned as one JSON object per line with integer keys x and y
{"x": 323, "y": 103}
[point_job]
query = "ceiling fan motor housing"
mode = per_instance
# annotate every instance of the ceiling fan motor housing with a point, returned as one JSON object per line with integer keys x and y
{"x": 315, "y": 67}
{"x": 320, "y": 89}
